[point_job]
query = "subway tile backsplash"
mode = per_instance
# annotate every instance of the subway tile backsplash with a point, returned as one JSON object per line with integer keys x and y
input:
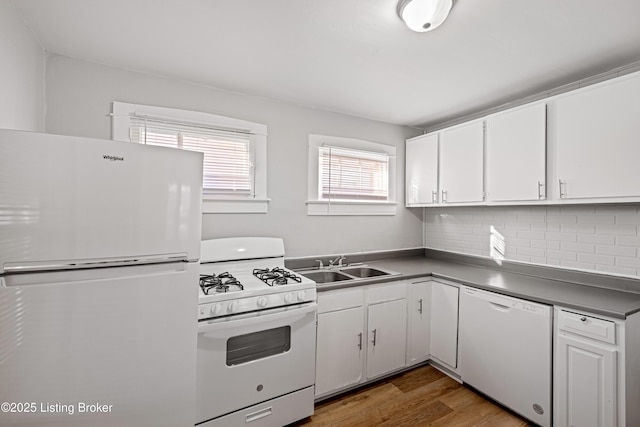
{"x": 599, "y": 238}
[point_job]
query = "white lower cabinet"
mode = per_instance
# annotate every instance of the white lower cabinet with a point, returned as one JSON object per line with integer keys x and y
{"x": 419, "y": 314}
{"x": 362, "y": 335}
{"x": 444, "y": 323}
{"x": 339, "y": 354}
{"x": 596, "y": 370}
{"x": 586, "y": 384}
{"x": 367, "y": 332}
{"x": 387, "y": 337}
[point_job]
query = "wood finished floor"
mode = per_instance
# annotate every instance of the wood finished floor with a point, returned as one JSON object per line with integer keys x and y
{"x": 421, "y": 397}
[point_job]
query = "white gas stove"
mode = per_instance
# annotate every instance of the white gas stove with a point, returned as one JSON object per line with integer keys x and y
{"x": 256, "y": 336}
{"x": 239, "y": 275}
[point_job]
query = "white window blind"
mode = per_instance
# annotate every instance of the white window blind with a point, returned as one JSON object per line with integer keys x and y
{"x": 228, "y": 155}
{"x": 350, "y": 174}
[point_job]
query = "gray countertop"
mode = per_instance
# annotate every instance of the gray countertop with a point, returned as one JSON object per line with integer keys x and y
{"x": 599, "y": 300}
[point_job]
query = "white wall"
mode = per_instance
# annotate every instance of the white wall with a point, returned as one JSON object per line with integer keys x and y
{"x": 79, "y": 96}
{"x": 21, "y": 73}
{"x": 595, "y": 238}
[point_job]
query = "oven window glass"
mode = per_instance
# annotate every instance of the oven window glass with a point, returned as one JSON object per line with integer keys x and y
{"x": 258, "y": 345}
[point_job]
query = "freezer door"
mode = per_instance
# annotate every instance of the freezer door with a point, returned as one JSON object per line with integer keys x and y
{"x": 102, "y": 347}
{"x": 69, "y": 198}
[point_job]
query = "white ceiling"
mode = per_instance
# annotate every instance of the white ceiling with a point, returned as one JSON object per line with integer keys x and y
{"x": 350, "y": 56}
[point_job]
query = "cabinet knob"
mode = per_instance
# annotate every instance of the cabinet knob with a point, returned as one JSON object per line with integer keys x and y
{"x": 583, "y": 319}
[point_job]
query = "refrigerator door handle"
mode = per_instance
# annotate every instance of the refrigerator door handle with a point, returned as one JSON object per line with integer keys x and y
{"x": 93, "y": 274}
{"x": 90, "y": 263}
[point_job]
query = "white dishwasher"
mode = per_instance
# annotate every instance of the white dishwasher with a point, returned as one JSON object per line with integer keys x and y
{"x": 505, "y": 351}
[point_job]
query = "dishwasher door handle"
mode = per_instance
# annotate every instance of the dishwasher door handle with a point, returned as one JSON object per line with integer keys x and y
{"x": 499, "y": 307}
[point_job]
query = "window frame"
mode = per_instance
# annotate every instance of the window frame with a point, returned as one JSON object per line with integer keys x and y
{"x": 318, "y": 206}
{"x": 211, "y": 203}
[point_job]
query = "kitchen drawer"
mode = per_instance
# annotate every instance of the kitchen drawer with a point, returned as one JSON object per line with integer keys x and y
{"x": 276, "y": 412}
{"x": 387, "y": 292}
{"x": 587, "y": 326}
{"x": 341, "y": 299}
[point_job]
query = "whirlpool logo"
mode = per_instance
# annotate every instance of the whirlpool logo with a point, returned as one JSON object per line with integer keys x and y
{"x": 113, "y": 158}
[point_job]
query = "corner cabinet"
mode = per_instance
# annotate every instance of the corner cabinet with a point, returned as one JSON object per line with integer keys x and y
{"x": 446, "y": 167}
{"x": 419, "y": 316}
{"x": 444, "y": 323}
{"x": 422, "y": 170}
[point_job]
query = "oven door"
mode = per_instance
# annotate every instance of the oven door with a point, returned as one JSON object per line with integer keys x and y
{"x": 250, "y": 358}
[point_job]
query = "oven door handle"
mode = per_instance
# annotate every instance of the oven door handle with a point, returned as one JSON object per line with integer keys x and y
{"x": 291, "y": 313}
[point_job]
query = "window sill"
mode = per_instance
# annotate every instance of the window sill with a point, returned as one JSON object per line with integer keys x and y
{"x": 349, "y": 208}
{"x": 212, "y": 205}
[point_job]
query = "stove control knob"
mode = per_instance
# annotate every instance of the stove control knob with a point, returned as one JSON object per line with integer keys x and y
{"x": 301, "y": 295}
{"x": 232, "y": 307}
{"x": 213, "y": 308}
{"x": 262, "y": 302}
{"x": 288, "y": 298}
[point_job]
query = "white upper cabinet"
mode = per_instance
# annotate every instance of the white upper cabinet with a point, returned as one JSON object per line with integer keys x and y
{"x": 516, "y": 154}
{"x": 581, "y": 147}
{"x": 422, "y": 170}
{"x": 597, "y": 141}
{"x": 461, "y": 163}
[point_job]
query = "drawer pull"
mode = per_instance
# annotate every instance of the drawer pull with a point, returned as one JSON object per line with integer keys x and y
{"x": 259, "y": 414}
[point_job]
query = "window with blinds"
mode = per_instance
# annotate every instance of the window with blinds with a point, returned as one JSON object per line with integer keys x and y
{"x": 228, "y": 155}
{"x": 349, "y": 174}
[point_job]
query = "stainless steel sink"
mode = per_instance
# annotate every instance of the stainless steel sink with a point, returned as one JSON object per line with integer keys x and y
{"x": 326, "y": 276}
{"x": 362, "y": 272}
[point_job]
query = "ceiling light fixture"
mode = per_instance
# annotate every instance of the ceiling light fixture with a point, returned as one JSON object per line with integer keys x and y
{"x": 424, "y": 15}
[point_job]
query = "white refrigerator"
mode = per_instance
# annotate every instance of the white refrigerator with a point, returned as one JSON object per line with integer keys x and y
{"x": 99, "y": 248}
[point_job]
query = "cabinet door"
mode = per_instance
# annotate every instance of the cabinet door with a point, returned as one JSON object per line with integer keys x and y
{"x": 339, "y": 357}
{"x": 419, "y": 311}
{"x": 597, "y": 143}
{"x": 586, "y": 384}
{"x": 422, "y": 170}
{"x": 387, "y": 335}
{"x": 516, "y": 154}
{"x": 461, "y": 163}
{"x": 444, "y": 323}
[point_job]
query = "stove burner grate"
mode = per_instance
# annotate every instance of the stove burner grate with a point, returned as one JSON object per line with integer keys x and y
{"x": 224, "y": 282}
{"x": 276, "y": 276}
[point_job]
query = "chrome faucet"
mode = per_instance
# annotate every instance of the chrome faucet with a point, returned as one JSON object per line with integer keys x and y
{"x": 337, "y": 261}
{"x": 321, "y": 266}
